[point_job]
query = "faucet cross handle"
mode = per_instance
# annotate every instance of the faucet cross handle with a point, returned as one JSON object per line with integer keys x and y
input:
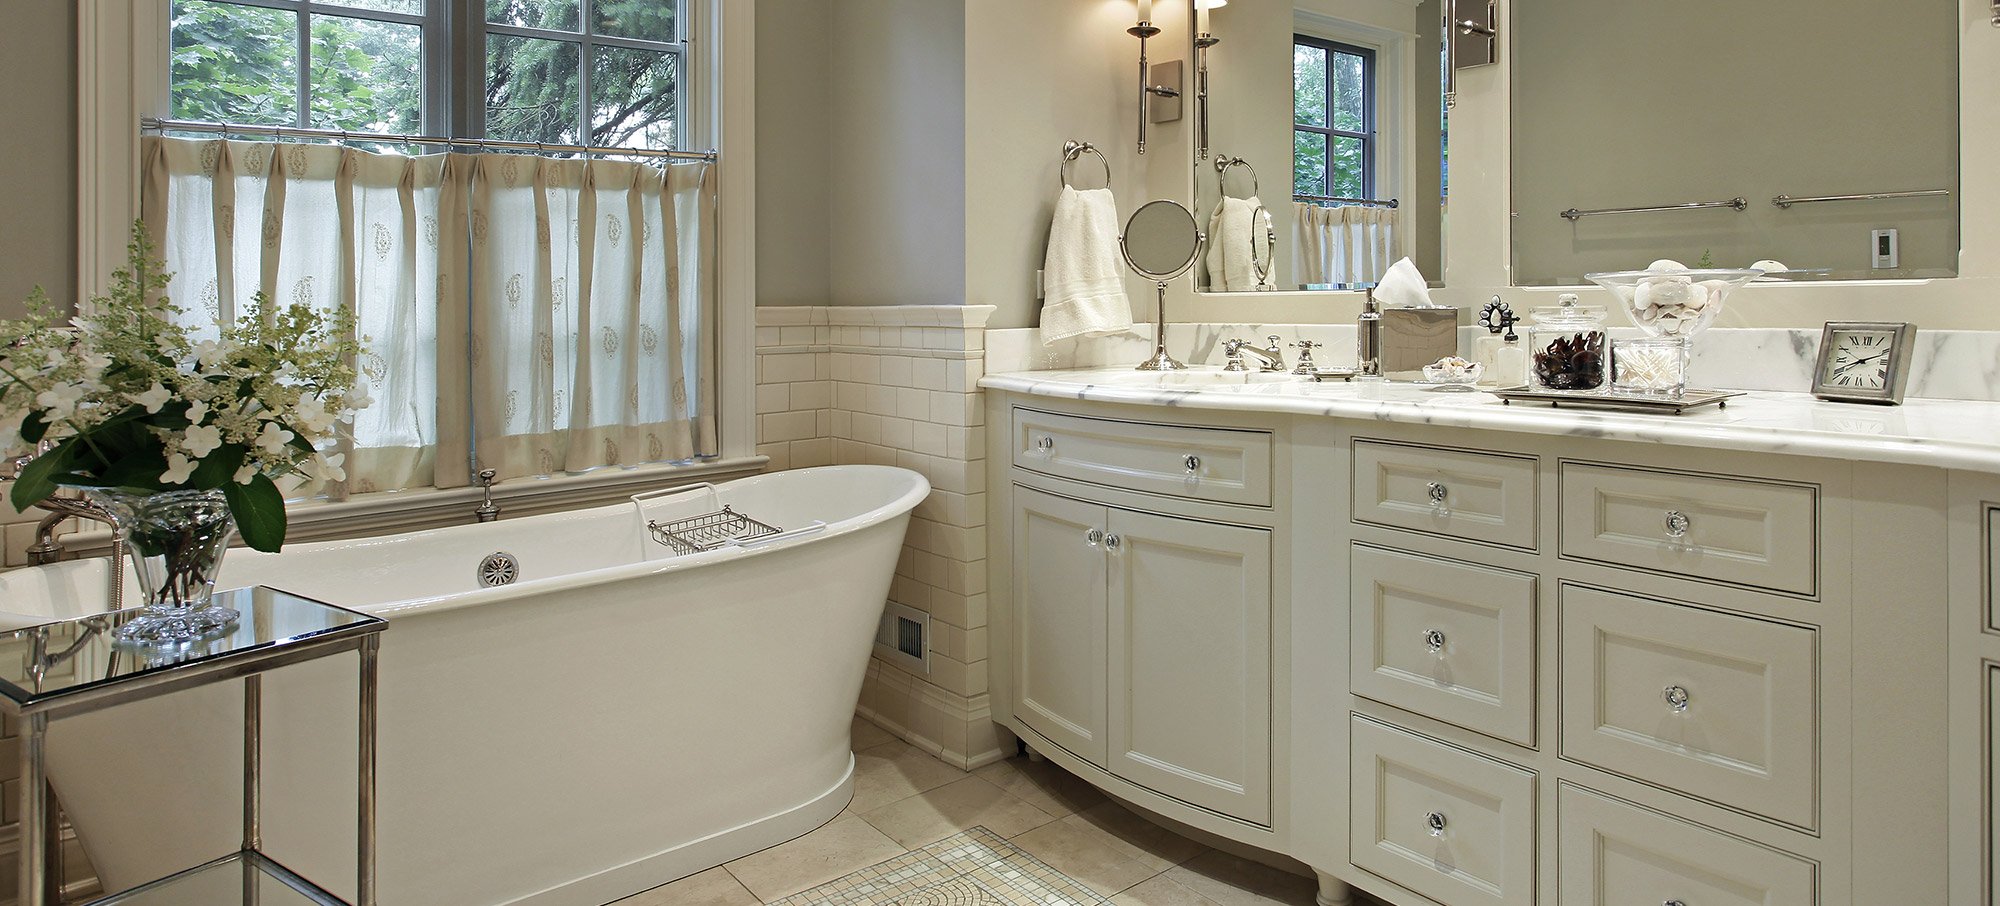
{"x": 487, "y": 511}
{"x": 1306, "y": 363}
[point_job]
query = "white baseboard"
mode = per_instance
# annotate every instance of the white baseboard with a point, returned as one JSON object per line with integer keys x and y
{"x": 959, "y": 730}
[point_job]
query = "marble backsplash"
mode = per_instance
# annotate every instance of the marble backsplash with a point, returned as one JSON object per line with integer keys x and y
{"x": 1949, "y": 364}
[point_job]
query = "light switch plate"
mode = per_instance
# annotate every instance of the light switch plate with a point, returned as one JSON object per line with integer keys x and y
{"x": 1885, "y": 248}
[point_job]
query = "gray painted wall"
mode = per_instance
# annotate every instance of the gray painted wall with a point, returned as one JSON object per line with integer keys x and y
{"x": 794, "y": 124}
{"x": 38, "y": 185}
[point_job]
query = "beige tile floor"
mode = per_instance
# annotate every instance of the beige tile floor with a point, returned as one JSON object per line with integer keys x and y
{"x": 904, "y": 799}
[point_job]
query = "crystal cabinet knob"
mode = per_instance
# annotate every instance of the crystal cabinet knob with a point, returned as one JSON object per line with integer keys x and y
{"x": 1112, "y": 543}
{"x": 1677, "y": 698}
{"x": 1192, "y": 463}
{"x": 1674, "y": 903}
{"x": 1045, "y": 444}
{"x": 1678, "y": 524}
{"x": 1436, "y": 822}
{"x": 1434, "y": 640}
{"x": 1094, "y": 537}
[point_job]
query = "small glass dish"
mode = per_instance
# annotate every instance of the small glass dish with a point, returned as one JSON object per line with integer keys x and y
{"x": 1453, "y": 372}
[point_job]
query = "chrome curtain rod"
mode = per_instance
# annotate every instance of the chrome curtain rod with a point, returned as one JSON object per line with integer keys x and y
{"x": 153, "y": 124}
{"x": 1738, "y": 204}
{"x": 1786, "y": 201}
{"x": 1376, "y": 202}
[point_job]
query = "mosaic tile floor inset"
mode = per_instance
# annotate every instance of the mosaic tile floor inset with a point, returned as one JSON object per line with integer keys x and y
{"x": 975, "y": 868}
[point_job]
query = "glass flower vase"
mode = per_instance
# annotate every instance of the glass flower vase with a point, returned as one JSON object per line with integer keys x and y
{"x": 176, "y": 540}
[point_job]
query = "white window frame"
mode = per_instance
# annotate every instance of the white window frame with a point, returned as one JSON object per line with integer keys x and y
{"x": 1396, "y": 108}
{"x": 122, "y": 59}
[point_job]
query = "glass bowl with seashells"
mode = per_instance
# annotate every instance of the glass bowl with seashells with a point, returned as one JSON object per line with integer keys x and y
{"x": 1669, "y": 299}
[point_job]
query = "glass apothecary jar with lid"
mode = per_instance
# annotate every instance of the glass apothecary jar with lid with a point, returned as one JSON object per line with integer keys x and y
{"x": 1567, "y": 347}
{"x": 1650, "y": 366}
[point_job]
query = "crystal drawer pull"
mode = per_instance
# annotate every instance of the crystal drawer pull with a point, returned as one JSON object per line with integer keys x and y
{"x": 1093, "y": 537}
{"x": 1677, "y": 699}
{"x": 1193, "y": 464}
{"x": 1674, "y": 903}
{"x": 1678, "y": 524}
{"x": 1112, "y": 543}
{"x": 1045, "y": 445}
{"x": 1436, "y": 822}
{"x": 1438, "y": 492}
{"x": 1434, "y": 640}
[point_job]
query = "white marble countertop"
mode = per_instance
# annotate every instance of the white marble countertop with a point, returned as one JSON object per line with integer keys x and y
{"x": 1948, "y": 434}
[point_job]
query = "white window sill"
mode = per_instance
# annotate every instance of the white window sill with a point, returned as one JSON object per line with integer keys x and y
{"x": 390, "y": 512}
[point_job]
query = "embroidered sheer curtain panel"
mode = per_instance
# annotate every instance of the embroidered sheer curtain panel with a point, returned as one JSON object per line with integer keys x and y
{"x": 1344, "y": 245}
{"x": 523, "y": 314}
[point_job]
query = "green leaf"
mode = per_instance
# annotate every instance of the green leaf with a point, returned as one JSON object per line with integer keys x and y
{"x": 34, "y": 428}
{"x": 259, "y": 509}
{"x": 38, "y": 480}
{"x": 218, "y": 468}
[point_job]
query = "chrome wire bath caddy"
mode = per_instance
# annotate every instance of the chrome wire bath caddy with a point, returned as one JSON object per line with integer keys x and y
{"x": 709, "y": 531}
{"x": 719, "y": 526}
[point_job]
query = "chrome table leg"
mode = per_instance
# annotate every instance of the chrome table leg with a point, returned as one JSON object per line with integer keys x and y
{"x": 34, "y": 811}
{"x": 364, "y": 893}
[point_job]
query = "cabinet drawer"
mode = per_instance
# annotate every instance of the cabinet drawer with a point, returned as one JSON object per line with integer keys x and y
{"x": 1613, "y": 854}
{"x": 1716, "y": 529}
{"x": 1712, "y": 705}
{"x": 1213, "y": 464}
{"x": 1445, "y": 639}
{"x": 1486, "y": 497}
{"x": 1451, "y": 825}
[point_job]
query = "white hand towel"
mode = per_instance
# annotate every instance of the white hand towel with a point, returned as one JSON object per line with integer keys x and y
{"x": 1082, "y": 279}
{"x": 1231, "y": 237}
{"x": 1403, "y": 285}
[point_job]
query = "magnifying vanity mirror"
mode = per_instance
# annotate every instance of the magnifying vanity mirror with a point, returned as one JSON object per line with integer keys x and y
{"x": 1819, "y": 134}
{"x": 1161, "y": 242}
{"x": 1329, "y": 116}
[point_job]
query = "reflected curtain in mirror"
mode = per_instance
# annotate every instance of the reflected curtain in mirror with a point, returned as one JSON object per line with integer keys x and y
{"x": 1344, "y": 245}
{"x": 535, "y": 315}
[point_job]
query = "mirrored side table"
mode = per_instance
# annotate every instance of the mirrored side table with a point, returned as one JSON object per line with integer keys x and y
{"x": 74, "y": 667}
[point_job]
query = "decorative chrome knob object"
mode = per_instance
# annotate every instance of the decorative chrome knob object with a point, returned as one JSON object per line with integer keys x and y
{"x": 1193, "y": 464}
{"x": 1434, "y": 640}
{"x": 1093, "y": 537}
{"x": 1045, "y": 444}
{"x": 1678, "y": 524}
{"x": 1436, "y": 822}
{"x": 1677, "y": 698}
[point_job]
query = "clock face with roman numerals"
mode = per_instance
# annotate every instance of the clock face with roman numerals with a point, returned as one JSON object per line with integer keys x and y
{"x": 1859, "y": 360}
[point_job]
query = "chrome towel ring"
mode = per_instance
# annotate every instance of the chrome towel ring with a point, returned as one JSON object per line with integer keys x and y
{"x": 1072, "y": 150}
{"x": 1222, "y": 165}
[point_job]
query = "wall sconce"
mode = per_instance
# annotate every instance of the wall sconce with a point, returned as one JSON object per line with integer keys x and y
{"x": 1203, "y": 40}
{"x": 1145, "y": 31}
{"x": 1471, "y": 38}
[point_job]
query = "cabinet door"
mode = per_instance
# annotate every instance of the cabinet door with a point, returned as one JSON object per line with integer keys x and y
{"x": 1992, "y": 841}
{"x": 1059, "y": 620}
{"x": 1191, "y": 661}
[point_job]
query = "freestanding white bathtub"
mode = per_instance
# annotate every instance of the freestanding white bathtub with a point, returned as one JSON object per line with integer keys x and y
{"x": 617, "y": 718}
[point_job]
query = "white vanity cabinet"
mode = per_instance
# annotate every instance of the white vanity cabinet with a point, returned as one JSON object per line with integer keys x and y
{"x": 1140, "y": 621}
{"x": 1467, "y": 666}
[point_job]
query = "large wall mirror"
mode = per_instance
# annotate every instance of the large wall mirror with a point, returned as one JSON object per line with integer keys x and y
{"x": 1321, "y": 158}
{"x": 1736, "y": 133}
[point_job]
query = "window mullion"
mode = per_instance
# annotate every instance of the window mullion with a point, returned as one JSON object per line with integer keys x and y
{"x": 305, "y": 68}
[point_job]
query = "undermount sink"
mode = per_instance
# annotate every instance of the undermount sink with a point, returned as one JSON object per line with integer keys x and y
{"x": 1198, "y": 377}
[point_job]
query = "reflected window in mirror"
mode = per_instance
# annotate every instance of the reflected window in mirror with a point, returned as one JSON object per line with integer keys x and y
{"x": 1333, "y": 98}
{"x": 1326, "y": 115}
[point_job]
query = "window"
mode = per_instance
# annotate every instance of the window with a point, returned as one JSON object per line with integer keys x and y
{"x": 1334, "y": 118}
{"x": 598, "y": 72}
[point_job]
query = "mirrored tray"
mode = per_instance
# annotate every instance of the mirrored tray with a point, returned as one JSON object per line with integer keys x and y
{"x": 1598, "y": 399}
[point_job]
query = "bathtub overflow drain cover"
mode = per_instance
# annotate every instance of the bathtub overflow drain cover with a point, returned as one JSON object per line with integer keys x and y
{"x": 499, "y": 568}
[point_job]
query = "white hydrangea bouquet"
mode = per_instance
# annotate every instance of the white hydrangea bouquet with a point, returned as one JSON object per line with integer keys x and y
{"x": 134, "y": 406}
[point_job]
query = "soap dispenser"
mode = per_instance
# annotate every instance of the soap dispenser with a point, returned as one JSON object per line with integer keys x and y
{"x": 1368, "y": 338}
{"x": 1504, "y": 362}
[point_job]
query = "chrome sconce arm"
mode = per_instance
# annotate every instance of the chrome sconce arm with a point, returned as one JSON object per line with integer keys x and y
{"x": 1476, "y": 23}
{"x": 1146, "y": 31}
{"x": 1202, "y": 42}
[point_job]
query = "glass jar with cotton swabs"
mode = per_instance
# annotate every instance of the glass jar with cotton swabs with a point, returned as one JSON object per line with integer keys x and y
{"x": 1670, "y": 304}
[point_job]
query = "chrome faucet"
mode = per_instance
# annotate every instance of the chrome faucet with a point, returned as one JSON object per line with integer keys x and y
{"x": 487, "y": 511}
{"x": 1273, "y": 356}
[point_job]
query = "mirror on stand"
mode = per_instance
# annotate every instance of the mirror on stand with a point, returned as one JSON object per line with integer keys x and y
{"x": 1161, "y": 242}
